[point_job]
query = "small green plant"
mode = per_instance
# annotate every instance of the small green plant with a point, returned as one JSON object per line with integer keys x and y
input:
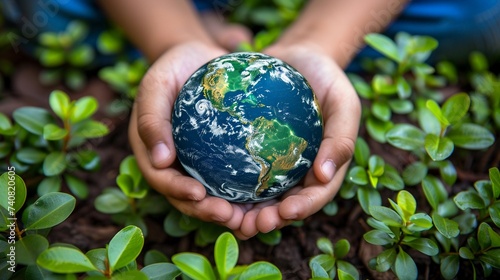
{"x": 24, "y": 234}
{"x": 116, "y": 261}
{"x": 50, "y": 151}
{"x": 398, "y": 229}
{"x": 226, "y": 254}
{"x": 329, "y": 264}
{"x": 65, "y": 56}
{"x": 132, "y": 201}
{"x": 368, "y": 175}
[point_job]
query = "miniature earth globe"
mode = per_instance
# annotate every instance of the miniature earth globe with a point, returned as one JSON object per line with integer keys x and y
{"x": 247, "y": 126}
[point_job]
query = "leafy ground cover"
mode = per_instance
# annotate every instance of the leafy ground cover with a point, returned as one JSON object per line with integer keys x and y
{"x": 420, "y": 200}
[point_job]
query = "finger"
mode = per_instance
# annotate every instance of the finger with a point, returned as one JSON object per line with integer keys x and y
{"x": 210, "y": 209}
{"x": 154, "y": 103}
{"x": 169, "y": 181}
{"x": 254, "y": 222}
{"x": 341, "y": 123}
{"x": 312, "y": 198}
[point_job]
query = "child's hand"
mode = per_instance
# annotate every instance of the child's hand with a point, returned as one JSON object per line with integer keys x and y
{"x": 151, "y": 139}
{"x": 341, "y": 114}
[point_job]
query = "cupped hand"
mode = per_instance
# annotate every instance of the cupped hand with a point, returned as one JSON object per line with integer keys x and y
{"x": 150, "y": 133}
{"x": 341, "y": 111}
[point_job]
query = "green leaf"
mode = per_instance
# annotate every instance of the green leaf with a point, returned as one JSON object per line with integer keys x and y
{"x": 75, "y": 79}
{"x": 81, "y": 55}
{"x": 391, "y": 179}
{"x": 160, "y": 271}
{"x": 448, "y": 228}
{"x": 447, "y": 70}
{"x": 32, "y": 119}
{"x": 407, "y": 202}
{"x": 5, "y": 122}
{"x": 376, "y": 166}
{"x": 406, "y": 137}
{"x": 466, "y": 253}
{"x": 377, "y": 129}
{"x": 54, "y": 164}
{"x": 478, "y": 61}
{"x": 419, "y": 222}
{"x": 469, "y": 200}
{"x": 330, "y": 209}
{"x": 347, "y": 271}
{"x": 436, "y": 111}
{"x": 29, "y": 248}
{"x": 88, "y": 159}
{"x": 194, "y": 265}
{"x": 341, "y": 248}
{"x": 124, "y": 247}
{"x": 384, "y": 45}
{"x": 448, "y": 172}
{"x": 400, "y": 106}
{"x": 111, "y": 201}
{"x": 54, "y": 132}
{"x": 414, "y": 173}
{"x": 358, "y": 176}
{"x": 449, "y": 267}
{"x": 60, "y": 103}
{"x": 49, "y": 184}
{"x": 98, "y": 257}
{"x": 77, "y": 186}
{"x": 424, "y": 245}
{"x": 386, "y": 215}
{"x": 154, "y": 256}
{"x": 49, "y": 210}
{"x": 471, "y": 136}
{"x": 381, "y": 110}
{"x": 386, "y": 259}
{"x": 91, "y": 129}
{"x": 456, "y": 107}
{"x": 404, "y": 266}
{"x": 51, "y": 57}
{"x": 317, "y": 270}
{"x": 428, "y": 122}
{"x": 65, "y": 260}
{"x": 30, "y": 155}
{"x": 383, "y": 84}
{"x": 378, "y": 237}
{"x": 494, "y": 211}
{"x": 14, "y": 192}
{"x": 367, "y": 197}
{"x": 271, "y": 238}
{"x": 361, "y": 152}
{"x": 261, "y": 270}
{"x": 110, "y": 42}
{"x": 494, "y": 175}
{"x": 492, "y": 257}
{"x": 325, "y": 245}
{"x": 226, "y": 254}
{"x": 438, "y": 148}
{"x": 77, "y": 30}
{"x": 404, "y": 88}
{"x": 83, "y": 109}
{"x": 362, "y": 88}
{"x": 434, "y": 191}
{"x": 130, "y": 274}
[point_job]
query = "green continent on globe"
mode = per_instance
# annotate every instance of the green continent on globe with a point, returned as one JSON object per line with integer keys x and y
{"x": 247, "y": 126}
{"x": 275, "y": 147}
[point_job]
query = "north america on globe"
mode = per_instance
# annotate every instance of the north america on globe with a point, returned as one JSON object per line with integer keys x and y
{"x": 247, "y": 126}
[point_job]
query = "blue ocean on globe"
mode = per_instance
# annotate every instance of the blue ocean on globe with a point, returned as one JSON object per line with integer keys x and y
{"x": 247, "y": 126}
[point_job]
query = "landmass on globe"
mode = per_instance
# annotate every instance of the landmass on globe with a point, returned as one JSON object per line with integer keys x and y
{"x": 247, "y": 126}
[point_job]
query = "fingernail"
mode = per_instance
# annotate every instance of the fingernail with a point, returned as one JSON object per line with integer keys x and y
{"x": 328, "y": 169}
{"x": 159, "y": 154}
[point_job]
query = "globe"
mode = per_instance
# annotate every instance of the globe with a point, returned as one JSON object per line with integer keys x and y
{"x": 247, "y": 126}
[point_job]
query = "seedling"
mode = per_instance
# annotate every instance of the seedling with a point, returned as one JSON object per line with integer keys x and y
{"x": 329, "y": 264}
{"x": 36, "y": 144}
{"x": 25, "y": 240}
{"x": 65, "y": 56}
{"x": 226, "y": 254}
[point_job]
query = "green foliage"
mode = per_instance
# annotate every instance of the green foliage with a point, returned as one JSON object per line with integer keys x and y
{"x": 226, "y": 252}
{"x": 329, "y": 264}
{"x": 38, "y": 144}
{"x": 65, "y": 56}
{"x": 24, "y": 229}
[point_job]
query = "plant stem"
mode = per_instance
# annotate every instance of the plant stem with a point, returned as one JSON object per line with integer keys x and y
{"x": 66, "y": 139}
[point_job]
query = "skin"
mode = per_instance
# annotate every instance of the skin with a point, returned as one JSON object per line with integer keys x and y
{"x": 319, "y": 44}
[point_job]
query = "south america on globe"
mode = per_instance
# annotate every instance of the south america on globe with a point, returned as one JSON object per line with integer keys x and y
{"x": 247, "y": 126}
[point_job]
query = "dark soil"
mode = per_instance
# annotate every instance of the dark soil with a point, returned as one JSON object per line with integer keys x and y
{"x": 88, "y": 229}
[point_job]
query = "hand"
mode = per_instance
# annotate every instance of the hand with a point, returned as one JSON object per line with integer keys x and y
{"x": 341, "y": 114}
{"x": 150, "y": 134}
